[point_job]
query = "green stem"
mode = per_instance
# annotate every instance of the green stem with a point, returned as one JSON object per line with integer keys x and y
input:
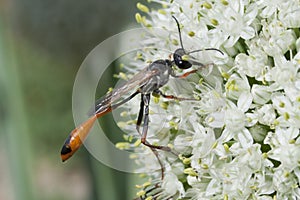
{"x": 14, "y": 126}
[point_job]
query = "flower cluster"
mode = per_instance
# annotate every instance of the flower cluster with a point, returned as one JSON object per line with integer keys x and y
{"x": 240, "y": 140}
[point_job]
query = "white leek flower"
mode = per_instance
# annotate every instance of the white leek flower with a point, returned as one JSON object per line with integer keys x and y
{"x": 240, "y": 140}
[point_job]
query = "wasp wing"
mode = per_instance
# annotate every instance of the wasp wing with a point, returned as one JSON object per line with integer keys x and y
{"x": 138, "y": 80}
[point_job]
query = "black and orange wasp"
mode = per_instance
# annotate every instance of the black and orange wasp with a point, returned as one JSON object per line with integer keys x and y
{"x": 148, "y": 81}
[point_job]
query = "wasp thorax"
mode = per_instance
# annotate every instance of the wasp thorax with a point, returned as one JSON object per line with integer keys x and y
{"x": 182, "y": 64}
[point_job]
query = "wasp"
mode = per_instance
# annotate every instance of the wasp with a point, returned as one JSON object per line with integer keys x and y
{"x": 148, "y": 81}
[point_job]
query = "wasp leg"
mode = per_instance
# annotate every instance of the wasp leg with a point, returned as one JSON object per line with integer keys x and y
{"x": 140, "y": 116}
{"x": 138, "y": 125}
{"x": 173, "y": 97}
{"x": 146, "y": 99}
{"x": 185, "y": 74}
{"x": 190, "y": 72}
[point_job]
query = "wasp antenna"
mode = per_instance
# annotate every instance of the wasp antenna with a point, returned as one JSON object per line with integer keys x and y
{"x": 178, "y": 26}
{"x": 208, "y": 49}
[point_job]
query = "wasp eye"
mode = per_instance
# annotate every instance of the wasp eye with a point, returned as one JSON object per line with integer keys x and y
{"x": 182, "y": 64}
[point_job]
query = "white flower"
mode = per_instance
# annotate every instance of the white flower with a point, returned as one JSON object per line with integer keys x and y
{"x": 284, "y": 147}
{"x": 211, "y": 100}
{"x": 289, "y": 113}
{"x": 240, "y": 140}
{"x": 284, "y": 72}
{"x": 173, "y": 186}
{"x": 261, "y": 94}
{"x": 276, "y": 39}
{"x": 289, "y": 13}
{"x": 266, "y": 115}
{"x": 269, "y": 7}
{"x": 236, "y": 85}
{"x": 233, "y": 20}
{"x": 215, "y": 119}
{"x": 234, "y": 120}
{"x": 252, "y": 65}
{"x": 286, "y": 184}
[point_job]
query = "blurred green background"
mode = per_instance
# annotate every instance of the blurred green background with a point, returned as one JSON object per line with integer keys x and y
{"x": 42, "y": 44}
